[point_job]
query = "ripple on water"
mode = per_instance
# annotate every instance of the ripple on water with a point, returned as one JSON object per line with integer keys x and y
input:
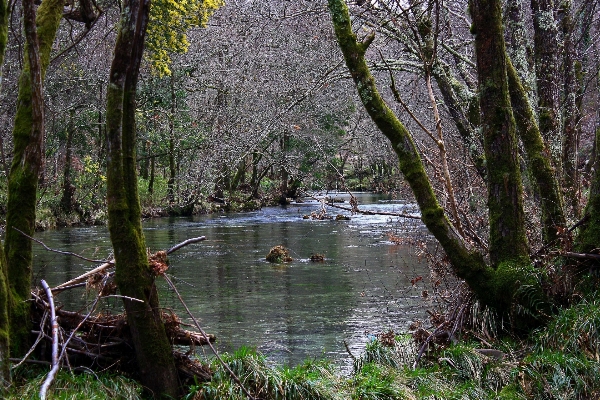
{"x": 290, "y": 311}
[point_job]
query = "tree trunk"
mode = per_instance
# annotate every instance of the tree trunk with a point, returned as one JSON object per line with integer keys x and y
{"x": 145, "y": 162}
{"x": 451, "y": 89}
{"x": 467, "y": 264}
{"x": 570, "y": 144}
{"x": 28, "y": 138}
{"x": 134, "y": 277}
{"x": 494, "y": 286}
{"x": 545, "y": 40}
{"x": 283, "y": 172}
{"x": 519, "y": 48}
{"x": 588, "y": 237}
{"x": 172, "y": 172}
{"x": 539, "y": 161}
{"x": 66, "y": 201}
{"x": 508, "y": 241}
{"x": 4, "y": 287}
{"x": 152, "y": 172}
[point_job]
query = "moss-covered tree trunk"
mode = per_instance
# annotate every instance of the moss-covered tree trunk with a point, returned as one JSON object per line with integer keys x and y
{"x": 508, "y": 241}
{"x": 588, "y": 237}
{"x": 545, "y": 43}
{"x": 519, "y": 47}
{"x": 539, "y": 160}
{"x": 4, "y": 288}
{"x": 494, "y": 285}
{"x": 134, "y": 277}
{"x": 467, "y": 264}
{"x": 28, "y": 138}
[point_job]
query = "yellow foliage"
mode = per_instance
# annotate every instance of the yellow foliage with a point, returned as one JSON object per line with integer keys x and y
{"x": 169, "y": 22}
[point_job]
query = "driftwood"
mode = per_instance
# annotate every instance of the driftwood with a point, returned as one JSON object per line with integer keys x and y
{"x": 103, "y": 340}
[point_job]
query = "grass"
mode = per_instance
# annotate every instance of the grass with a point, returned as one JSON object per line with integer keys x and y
{"x": 311, "y": 380}
{"x": 79, "y": 386}
{"x": 557, "y": 362}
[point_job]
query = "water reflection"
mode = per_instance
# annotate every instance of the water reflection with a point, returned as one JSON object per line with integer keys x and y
{"x": 290, "y": 312}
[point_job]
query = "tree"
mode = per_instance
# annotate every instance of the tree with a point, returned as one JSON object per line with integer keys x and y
{"x": 509, "y": 273}
{"x": 4, "y": 295}
{"x": 134, "y": 276}
{"x": 28, "y": 136}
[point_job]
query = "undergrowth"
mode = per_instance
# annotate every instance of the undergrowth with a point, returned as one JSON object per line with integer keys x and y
{"x": 560, "y": 361}
{"x": 74, "y": 386}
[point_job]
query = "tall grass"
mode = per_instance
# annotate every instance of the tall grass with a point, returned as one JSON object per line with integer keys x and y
{"x": 311, "y": 380}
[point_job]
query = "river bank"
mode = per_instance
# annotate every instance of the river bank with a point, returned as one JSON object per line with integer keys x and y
{"x": 552, "y": 363}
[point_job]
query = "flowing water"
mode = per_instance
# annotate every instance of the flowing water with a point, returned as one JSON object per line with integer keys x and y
{"x": 291, "y": 311}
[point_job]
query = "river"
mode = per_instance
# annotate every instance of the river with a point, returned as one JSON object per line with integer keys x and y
{"x": 292, "y": 311}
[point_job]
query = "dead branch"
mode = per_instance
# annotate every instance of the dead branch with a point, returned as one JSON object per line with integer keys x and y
{"x": 68, "y": 253}
{"x": 54, "y": 322}
{"x": 37, "y": 341}
{"x": 185, "y": 243}
{"x": 109, "y": 264}
{"x": 583, "y": 256}
{"x": 103, "y": 340}
{"x": 356, "y": 210}
{"x": 82, "y": 277}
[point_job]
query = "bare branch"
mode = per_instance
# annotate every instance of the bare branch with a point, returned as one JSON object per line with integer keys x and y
{"x": 54, "y": 323}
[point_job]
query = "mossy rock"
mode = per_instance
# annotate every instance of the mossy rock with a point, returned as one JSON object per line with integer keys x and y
{"x": 279, "y": 254}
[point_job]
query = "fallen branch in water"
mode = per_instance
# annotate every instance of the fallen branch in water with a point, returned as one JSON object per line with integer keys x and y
{"x": 185, "y": 243}
{"x": 356, "y": 210}
{"x": 81, "y": 278}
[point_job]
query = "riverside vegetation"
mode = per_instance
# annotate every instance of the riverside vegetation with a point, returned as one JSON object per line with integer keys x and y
{"x": 552, "y": 363}
{"x": 503, "y": 101}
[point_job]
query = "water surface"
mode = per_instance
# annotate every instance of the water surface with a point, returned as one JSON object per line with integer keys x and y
{"x": 291, "y": 311}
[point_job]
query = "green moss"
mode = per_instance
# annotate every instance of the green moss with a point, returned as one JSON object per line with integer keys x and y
{"x": 23, "y": 181}
{"x": 511, "y": 392}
